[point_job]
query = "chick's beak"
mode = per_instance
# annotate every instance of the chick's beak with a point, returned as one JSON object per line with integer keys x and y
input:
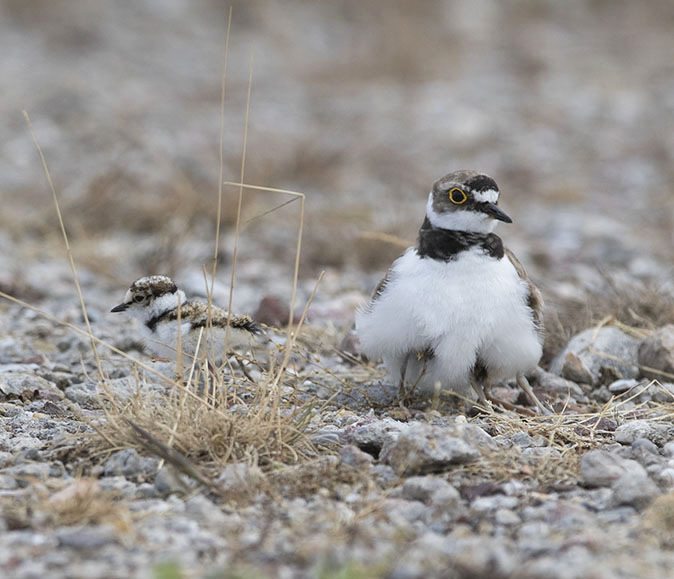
{"x": 120, "y": 308}
{"x": 494, "y": 212}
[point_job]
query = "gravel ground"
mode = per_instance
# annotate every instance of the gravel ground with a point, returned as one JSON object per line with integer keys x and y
{"x": 360, "y": 105}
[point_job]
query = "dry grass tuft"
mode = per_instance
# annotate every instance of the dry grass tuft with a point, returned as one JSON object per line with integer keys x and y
{"x": 83, "y": 502}
{"x": 563, "y": 438}
{"x": 642, "y": 307}
{"x": 547, "y": 470}
{"x": 212, "y": 418}
{"x": 325, "y": 475}
{"x": 659, "y": 520}
{"x": 79, "y": 502}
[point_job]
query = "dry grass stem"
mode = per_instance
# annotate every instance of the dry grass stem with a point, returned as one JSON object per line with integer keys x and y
{"x": 237, "y": 230}
{"x": 221, "y": 156}
{"x": 71, "y": 261}
{"x": 385, "y": 238}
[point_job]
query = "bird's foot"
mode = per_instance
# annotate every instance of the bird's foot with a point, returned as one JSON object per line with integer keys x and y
{"x": 509, "y": 406}
{"x": 524, "y": 385}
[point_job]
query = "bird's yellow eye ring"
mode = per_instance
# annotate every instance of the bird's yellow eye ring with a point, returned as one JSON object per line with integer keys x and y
{"x": 457, "y": 196}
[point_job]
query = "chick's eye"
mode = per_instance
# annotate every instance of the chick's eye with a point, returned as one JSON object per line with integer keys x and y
{"x": 457, "y": 196}
{"x": 138, "y": 299}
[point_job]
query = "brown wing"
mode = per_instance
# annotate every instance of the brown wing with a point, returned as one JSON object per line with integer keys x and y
{"x": 198, "y": 312}
{"x": 383, "y": 282}
{"x": 534, "y": 299}
{"x": 381, "y": 286}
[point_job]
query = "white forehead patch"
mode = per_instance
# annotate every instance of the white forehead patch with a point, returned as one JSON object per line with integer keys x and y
{"x": 488, "y": 196}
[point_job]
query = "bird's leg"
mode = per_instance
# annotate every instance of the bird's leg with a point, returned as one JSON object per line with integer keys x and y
{"x": 504, "y": 404}
{"x": 402, "y": 391}
{"x": 243, "y": 369}
{"x": 479, "y": 389}
{"x": 425, "y": 357}
{"x": 524, "y": 385}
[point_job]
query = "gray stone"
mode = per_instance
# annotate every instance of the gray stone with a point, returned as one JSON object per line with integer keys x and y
{"x": 60, "y": 379}
{"x": 507, "y": 517}
{"x": 86, "y": 538}
{"x": 642, "y": 391}
{"x": 575, "y": 369}
{"x": 648, "y": 455}
{"x": 617, "y": 515}
{"x": 666, "y": 477}
{"x": 26, "y": 473}
{"x": 17, "y": 385}
{"x": 655, "y": 432}
{"x": 656, "y": 354}
{"x": 6, "y": 459}
{"x": 475, "y": 436}
{"x": 85, "y": 394}
{"x": 383, "y": 475}
{"x": 622, "y": 386}
{"x": 326, "y": 437}
{"x": 18, "y": 368}
{"x": 23, "y": 443}
{"x": 146, "y": 491}
{"x": 202, "y": 510}
{"x": 541, "y": 451}
{"x": 355, "y": 457}
{"x": 239, "y": 478}
{"x": 521, "y": 439}
{"x": 532, "y": 536}
{"x": 29, "y": 455}
{"x": 562, "y": 386}
{"x": 598, "y": 356}
{"x": 494, "y": 502}
{"x": 514, "y": 488}
{"x": 643, "y": 445}
{"x": 7, "y": 482}
{"x": 601, "y": 394}
{"x": 168, "y": 481}
{"x": 600, "y": 468}
{"x": 484, "y": 556}
{"x": 424, "y": 448}
{"x": 401, "y": 511}
{"x": 371, "y": 435}
{"x": 635, "y": 491}
{"x": 431, "y": 490}
{"x": 130, "y": 464}
{"x": 661, "y": 391}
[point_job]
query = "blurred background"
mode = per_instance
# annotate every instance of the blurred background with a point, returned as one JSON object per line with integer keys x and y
{"x": 359, "y": 104}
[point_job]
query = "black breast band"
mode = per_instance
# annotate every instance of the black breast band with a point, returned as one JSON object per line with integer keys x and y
{"x": 447, "y": 244}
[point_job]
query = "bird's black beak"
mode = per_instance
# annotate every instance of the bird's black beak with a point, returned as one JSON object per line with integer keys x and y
{"x": 120, "y": 308}
{"x": 494, "y": 212}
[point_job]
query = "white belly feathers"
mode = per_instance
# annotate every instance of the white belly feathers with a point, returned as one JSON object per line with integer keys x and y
{"x": 467, "y": 309}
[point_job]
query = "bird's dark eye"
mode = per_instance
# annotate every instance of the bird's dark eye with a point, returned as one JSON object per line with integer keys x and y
{"x": 457, "y": 196}
{"x": 138, "y": 299}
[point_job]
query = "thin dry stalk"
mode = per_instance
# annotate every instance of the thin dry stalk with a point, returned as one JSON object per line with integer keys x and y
{"x": 221, "y": 157}
{"x": 71, "y": 261}
{"x": 385, "y": 238}
{"x": 237, "y": 230}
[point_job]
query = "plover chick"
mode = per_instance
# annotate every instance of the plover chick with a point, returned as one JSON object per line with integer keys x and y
{"x": 457, "y": 310}
{"x": 155, "y": 301}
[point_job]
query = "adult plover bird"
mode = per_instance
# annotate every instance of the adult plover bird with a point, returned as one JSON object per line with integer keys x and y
{"x": 155, "y": 301}
{"x": 457, "y": 310}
